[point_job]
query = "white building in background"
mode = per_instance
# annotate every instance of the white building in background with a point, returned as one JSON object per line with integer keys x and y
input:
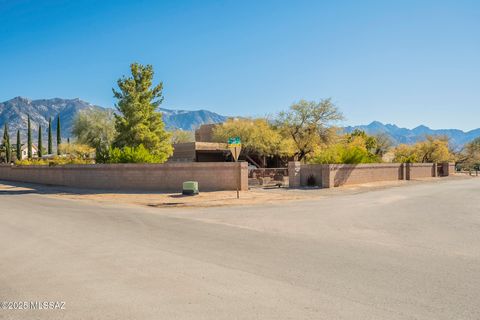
{"x": 25, "y": 151}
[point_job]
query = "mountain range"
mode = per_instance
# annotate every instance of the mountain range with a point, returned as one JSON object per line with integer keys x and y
{"x": 189, "y": 120}
{"x": 16, "y": 111}
{"x": 398, "y": 135}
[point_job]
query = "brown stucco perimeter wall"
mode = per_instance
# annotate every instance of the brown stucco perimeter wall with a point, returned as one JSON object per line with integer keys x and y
{"x": 420, "y": 170}
{"x": 334, "y": 175}
{"x": 166, "y": 177}
{"x": 345, "y": 174}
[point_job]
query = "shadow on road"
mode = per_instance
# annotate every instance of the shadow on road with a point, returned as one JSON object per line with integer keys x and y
{"x": 19, "y": 188}
{"x": 16, "y": 192}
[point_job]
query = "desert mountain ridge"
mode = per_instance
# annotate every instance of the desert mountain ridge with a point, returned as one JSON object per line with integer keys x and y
{"x": 15, "y": 112}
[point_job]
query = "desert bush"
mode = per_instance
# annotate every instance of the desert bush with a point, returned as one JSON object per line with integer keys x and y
{"x": 351, "y": 149}
{"x": 133, "y": 155}
{"x": 432, "y": 149}
{"x": 76, "y": 151}
{"x": 55, "y": 161}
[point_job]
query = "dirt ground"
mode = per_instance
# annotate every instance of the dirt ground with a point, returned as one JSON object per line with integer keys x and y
{"x": 205, "y": 199}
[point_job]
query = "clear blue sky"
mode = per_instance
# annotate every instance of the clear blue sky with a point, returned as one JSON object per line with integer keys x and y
{"x": 403, "y": 62}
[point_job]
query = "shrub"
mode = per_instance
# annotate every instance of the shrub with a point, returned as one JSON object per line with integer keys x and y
{"x": 345, "y": 153}
{"x": 56, "y": 161}
{"x": 76, "y": 151}
{"x": 71, "y": 153}
{"x": 133, "y": 155}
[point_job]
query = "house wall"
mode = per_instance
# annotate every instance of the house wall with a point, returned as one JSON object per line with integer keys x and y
{"x": 183, "y": 152}
{"x": 166, "y": 177}
{"x": 199, "y": 151}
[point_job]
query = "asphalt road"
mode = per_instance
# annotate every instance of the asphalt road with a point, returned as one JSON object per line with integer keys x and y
{"x": 410, "y": 252}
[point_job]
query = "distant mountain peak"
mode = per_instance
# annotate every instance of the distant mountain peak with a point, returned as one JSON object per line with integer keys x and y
{"x": 20, "y": 99}
{"x": 402, "y": 135}
{"x": 15, "y": 113}
{"x": 421, "y": 127}
{"x": 376, "y": 125}
{"x": 189, "y": 120}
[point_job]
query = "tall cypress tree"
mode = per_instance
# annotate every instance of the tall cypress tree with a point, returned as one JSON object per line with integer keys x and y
{"x": 6, "y": 144}
{"x": 19, "y": 146}
{"x": 29, "y": 139}
{"x": 39, "y": 146}
{"x": 59, "y": 135}
{"x": 50, "y": 143}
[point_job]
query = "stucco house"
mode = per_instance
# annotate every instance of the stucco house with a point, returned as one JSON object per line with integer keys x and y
{"x": 25, "y": 151}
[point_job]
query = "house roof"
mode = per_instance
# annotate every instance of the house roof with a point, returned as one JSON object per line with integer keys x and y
{"x": 25, "y": 146}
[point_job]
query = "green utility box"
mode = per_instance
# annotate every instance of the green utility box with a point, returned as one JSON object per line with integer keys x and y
{"x": 190, "y": 188}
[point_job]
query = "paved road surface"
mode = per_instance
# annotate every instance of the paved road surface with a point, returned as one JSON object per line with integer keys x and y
{"x": 410, "y": 252}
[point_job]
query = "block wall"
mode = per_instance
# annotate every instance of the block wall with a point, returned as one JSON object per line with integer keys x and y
{"x": 168, "y": 177}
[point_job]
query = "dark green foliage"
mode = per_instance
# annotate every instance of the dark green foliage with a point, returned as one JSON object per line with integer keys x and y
{"x": 354, "y": 148}
{"x": 469, "y": 157}
{"x": 19, "y": 146}
{"x": 103, "y": 154}
{"x": 138, "y": 122}
{"x": 6, "y": 145}
{"x": 50, "y": 142}
{"x": 131, "y": 155}
{"x": 95, "y": 128}
{"x": 59, "y": 135}
{"x": 39, "y": 145}
{"x": 29, "y": 139}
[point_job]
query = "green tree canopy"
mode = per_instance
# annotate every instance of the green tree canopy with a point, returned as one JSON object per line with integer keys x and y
{"x": 39, "y": 145}
{"x": 6, "y": 145}
{"x": 470, "y": 155}
{"x": 19, "y": 146}
{"x": 138, "y": 122}
{"x": 353, "y": 148}
{"x": 432, "y": 149}
{"x": 309, "y": 124}
{"x": 59, "y": 135}
{"x": 257, "y": 136}
{"x": 96, "y": 128}
{"x": 182, "y": 136}
{"x": 50, "y": 142}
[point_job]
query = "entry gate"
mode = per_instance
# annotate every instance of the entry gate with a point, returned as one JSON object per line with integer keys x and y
{"x": 268, "y": 177}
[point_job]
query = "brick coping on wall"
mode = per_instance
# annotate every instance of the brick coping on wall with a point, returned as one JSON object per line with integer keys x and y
{"x": 124, "y": 165}
{"x": 332, "y": 175}
{"x": 212, "y": 176}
